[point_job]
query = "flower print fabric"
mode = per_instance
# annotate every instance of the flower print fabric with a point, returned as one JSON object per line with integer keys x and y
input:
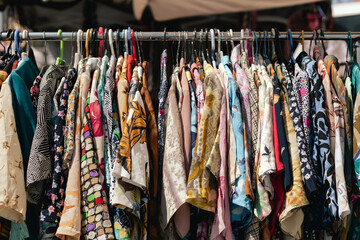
{"x": 292, "y": 215}
{"x": 97, "y": 123}
{"x": 204, "y": 169}
{"x": 70, "y": 221}
{"x": 73, "y": 103}
{"x": 173, "y": 190}
{"x": 54, "y": 200}
{"x": 39, "y": 166}
{"x": 241, "y": 211}
{"x": 96, "y": 222}
{"x": 307, "y": 170}
{"x": 34, "y": 91}
{"x": 161, "y": 109}
{"x": 199, "y": 91}
{"x": 221, "y": 227}
{"x": 12, "y": 187}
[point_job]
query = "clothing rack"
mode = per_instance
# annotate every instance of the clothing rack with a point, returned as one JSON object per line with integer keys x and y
{"x": 183, "y": 35}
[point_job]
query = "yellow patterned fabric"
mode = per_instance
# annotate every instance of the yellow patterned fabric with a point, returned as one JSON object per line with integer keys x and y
{"x": 202, "y": 184}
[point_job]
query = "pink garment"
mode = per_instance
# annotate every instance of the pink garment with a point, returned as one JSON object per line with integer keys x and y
{"x": 199, "y": 91}
{"x": 221, "y": 228}
{"x": 186, "y": 116}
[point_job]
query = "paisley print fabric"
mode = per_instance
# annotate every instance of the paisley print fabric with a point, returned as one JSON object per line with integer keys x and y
{"x": 202, "y": 184}
{"x": 95, "y": 215}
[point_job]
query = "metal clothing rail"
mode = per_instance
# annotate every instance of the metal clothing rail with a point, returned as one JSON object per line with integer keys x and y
{"x": 176, "y": 36}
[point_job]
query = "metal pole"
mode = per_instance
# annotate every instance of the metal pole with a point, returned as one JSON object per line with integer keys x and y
{"x": 174, "y": 36}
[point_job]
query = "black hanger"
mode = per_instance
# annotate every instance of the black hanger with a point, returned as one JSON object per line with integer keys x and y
{"x": 322, "y": 41}
{"x": 207, "y": 46}
{"x": 105, "y": 42}
{"x": 278, "y": 51}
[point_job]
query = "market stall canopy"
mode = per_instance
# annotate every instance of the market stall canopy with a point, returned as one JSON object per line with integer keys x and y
{"x": 164, "y": 10}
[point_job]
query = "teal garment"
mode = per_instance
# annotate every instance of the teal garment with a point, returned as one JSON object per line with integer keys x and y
{"x": 18, "y": 231}
{"x": 355, "y": 79}
{"x": 100, "y": 91}
{"x": 193, "y": 119}
{"x": 240, "y": 205}
{"x": 20, "y": 82}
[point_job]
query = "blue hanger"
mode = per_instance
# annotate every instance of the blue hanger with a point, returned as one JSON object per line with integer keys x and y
{"x": 17, "y": 39}
{"x": 129, "y": 38}
{"x": 291, "y": 46}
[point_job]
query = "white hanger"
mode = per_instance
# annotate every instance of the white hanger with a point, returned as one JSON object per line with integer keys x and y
{"x": 221, "y": 54}
{"x": 126, "y": 41}
{"x": 242, "y": 41}
{"x": 25, "y": 35}
{"x": 78, "y": 56}
{"x": 231, "y": 35}
{"x": 111, "y": 42}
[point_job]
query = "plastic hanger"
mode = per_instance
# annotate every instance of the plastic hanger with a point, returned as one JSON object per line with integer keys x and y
{"x": 242, "y": 40}
{"x": 91, "y": 43}
{"x": 106, "y": 45}
{"x": 78, "y": 56}
{"x": 17, "y": 41}
{"x": 256, "y": 48}
{"x": 302, "y": 40}
{"x": 94, "y": 43}
{"x": 60, "y": 60}
{"x": 111, "y": 42}
{"x": 201, "y": 52}
{"x": 212, "y": 36}
{"x": 220, "y": 53}
{"x": 87, "y": 42}
{"x": 291, "y": 47}
{"x": 126, "y": 42}
{"x": 101, "y": 42}
{"x": 133, "y": 45}
{"x": 184, "y": 50}
{"x": 192, "y": 48}
{"x": 129, "y": 37}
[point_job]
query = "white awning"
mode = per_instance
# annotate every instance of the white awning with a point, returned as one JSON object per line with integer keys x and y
{"x": 164, "y": 10}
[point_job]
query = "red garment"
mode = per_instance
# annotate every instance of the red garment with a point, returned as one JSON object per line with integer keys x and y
{"x": 131, "y": 63}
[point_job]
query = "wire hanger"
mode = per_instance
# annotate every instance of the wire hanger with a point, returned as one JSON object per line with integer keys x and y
{"x": 302, "y": 40}
{"x": 25, "y": 35}
{"x": 138, "y": 48}
{"x": 322, "y": 41}
{"x": 59, "y": 60}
